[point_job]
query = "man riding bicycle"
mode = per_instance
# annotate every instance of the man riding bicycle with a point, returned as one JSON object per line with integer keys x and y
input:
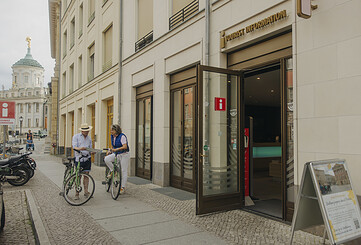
{"x": 80, "y": 142}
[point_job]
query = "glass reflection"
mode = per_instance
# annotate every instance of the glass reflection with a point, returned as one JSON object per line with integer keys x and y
{"x": 188, "y": 134}
{"x": 177, "y": 134}
{"x": 147, "y": 133}
{"x": 140, "y": 145}
{"x": 220, "y": 168}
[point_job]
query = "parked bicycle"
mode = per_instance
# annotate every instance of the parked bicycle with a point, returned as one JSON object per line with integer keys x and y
{"x": 73, "y": 191}
{"x": 113, "y": 180}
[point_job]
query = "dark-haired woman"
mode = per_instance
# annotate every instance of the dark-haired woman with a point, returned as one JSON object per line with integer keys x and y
{"x": 120, "y": 149}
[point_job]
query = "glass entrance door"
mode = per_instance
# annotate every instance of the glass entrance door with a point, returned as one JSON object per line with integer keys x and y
{"x": 144, "y": 138}
{"x": 220, "y": 143}
{"x": 183, "y": 138}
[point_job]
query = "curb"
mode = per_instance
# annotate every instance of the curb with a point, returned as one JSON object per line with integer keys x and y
{"x": 41, "y": 237}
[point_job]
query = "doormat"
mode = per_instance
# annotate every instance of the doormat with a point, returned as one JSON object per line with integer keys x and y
{"x": 271, "y": 207}
{"x": 175, "y": 193}
{"x": 138, "y": 181}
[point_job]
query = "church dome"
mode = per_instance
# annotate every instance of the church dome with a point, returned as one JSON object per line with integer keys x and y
{"x": 28, "y": 61}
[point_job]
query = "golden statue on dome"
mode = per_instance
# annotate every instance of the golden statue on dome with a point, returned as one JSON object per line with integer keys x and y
{"x": 28, "y": 39}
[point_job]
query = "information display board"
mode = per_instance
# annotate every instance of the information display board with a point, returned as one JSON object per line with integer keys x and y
{"x": 326, "y": 197}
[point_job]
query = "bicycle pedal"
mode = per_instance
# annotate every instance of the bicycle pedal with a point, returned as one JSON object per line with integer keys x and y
{"x": 104, "y": 182}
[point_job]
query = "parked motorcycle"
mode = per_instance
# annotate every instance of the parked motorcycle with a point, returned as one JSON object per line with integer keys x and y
{"x": 18, "y": 169}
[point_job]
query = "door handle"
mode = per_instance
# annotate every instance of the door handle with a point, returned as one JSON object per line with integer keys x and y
{"x": 203, "y": 155}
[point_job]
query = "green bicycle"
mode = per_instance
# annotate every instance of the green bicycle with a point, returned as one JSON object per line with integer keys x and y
{"x": 114, "y": 180}
{"x": 72, "y": 189}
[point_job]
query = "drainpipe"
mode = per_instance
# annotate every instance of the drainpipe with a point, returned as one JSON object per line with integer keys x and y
{"x": 206, "y": 41}
{"x": 206, "y": 82}
{"x": 120, "y": 59}
{"x": 58, "y": 87}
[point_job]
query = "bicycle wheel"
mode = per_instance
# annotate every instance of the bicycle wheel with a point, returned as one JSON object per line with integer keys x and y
{"x": 116, "y": 181}
{"x": 107, "y": 180}
{"x": 74, "y": 192}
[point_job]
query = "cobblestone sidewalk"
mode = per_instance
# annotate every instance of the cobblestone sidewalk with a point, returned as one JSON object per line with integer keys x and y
{"x": 236, "y": 227}
{"x": 64, "y": 224}
{"x": 17, "y": 228}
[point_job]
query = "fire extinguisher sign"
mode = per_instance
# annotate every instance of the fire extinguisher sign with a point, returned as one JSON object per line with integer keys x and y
{"x": 7, "y": 113}
{"x": 219, "y": 104}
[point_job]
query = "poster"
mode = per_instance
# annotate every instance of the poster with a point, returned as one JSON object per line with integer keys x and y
{"x": 338, "y": 199}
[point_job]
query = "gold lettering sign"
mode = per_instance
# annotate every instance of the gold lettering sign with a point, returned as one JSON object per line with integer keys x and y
{"x": 248, "y": 29}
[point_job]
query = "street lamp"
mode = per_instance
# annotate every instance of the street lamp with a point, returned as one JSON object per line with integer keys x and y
{"x": 21, "y": 125}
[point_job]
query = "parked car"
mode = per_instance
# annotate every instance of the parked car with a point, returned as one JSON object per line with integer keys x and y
{"x": 43, "y": 134}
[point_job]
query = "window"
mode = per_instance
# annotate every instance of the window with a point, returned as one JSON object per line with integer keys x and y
{"x": 29, "y": 108}
{"x": 37, "y": 93}
{"x": 71, "y": 78}
{"x": 37, "y": 122}
{"x": 177, "y": 5}
{"x": 37, "y": 107}
{"x": 63, "y": 84}
{"x": 26, "y": 79}
{"x": 91, "y": 11}
{"x": 145, "y": 24}
{"x": 80, "y": 71}
{"x": 145, "y": 17}
{"x": 15, "y": 78}
{"x": 72, "y": 32}
{"x": 46, "y": 110}
{"x": 108, "y": 48}
{"x": 21, "y": 108}
{"x": 29, "y": 93}
{"x": 91, "y": 62}
{"x": 65, "y": 4}
{"x": 12, "y": 95}
{"x": 29, "y": 122}
{"x": 182, "y": 10}
{"x": 38, "y": 80}
{"x": 81, "y": 16}
{"x": 65, "y": 37}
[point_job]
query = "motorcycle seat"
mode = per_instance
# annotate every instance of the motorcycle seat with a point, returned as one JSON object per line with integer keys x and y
{"x": 9, "y": 160}
{"x": 4, "y": 162}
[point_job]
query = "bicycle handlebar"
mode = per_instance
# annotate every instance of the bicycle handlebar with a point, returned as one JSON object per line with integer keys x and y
{"x": 82, "y": 155}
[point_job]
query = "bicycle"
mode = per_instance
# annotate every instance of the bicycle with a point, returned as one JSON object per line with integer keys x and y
{"x": 72, "y": 188}
{"x": 114, "y": 181}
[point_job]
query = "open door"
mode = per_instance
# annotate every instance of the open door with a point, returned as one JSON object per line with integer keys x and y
{"x": 220, "y": 140}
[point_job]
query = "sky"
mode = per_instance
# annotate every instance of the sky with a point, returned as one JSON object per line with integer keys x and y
{"x": 19, "y": 19}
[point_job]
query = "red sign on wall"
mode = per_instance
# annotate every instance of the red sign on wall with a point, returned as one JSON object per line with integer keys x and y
{"x": 7, "y": 113}
{"x": 219, "y": 104}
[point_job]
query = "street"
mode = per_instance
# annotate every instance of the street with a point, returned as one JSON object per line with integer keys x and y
{"x": 146, "y": 214}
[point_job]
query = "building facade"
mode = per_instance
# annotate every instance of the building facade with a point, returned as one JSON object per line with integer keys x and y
{"x": 31, "y": 97}
{"x": 224, "y": 98}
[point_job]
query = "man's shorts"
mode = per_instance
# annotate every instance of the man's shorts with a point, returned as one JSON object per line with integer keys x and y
{"x": 86, "y": 166}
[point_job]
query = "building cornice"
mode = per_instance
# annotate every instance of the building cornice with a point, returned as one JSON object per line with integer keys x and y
{"x": 54, "y": 11}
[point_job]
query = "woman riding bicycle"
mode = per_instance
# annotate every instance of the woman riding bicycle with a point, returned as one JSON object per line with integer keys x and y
{"x": 80, "y": 142}
{"x": 120, "y": 149}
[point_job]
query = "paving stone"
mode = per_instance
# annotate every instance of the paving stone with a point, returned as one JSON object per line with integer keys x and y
{"x": 17, "y": 228}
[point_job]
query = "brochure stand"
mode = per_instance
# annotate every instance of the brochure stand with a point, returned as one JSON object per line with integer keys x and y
{"x": 326, "y": 197}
